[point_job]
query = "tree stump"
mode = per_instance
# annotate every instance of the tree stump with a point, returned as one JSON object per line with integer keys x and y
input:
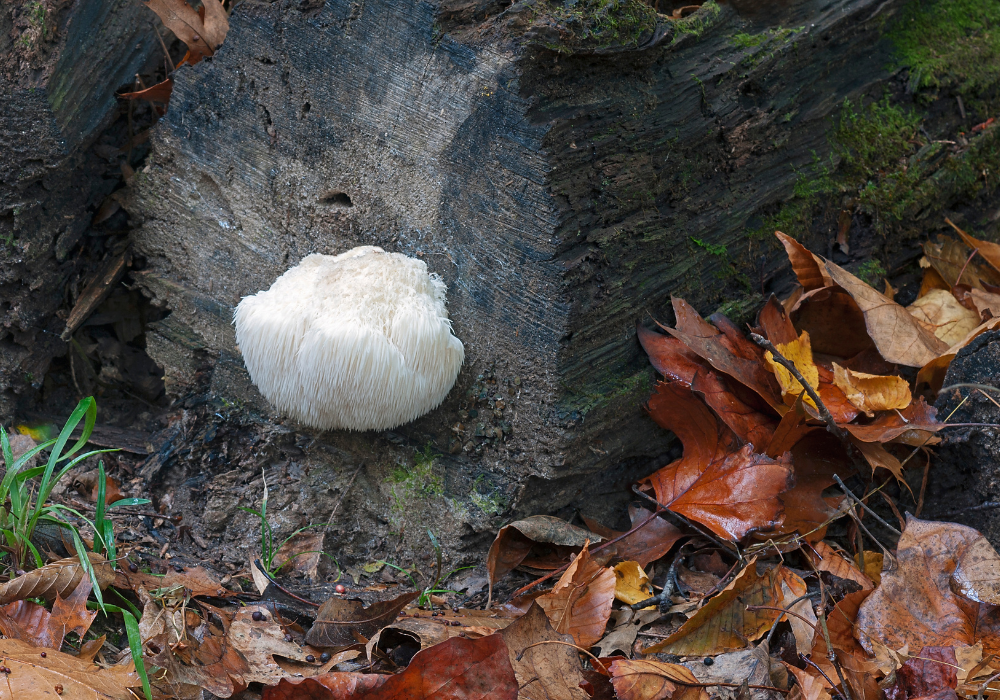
{"x": 564, "y": 170}
{"x": 60, "y": 65}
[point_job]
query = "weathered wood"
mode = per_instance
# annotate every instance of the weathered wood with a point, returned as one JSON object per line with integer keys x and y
{"x": 558, "y": 195}
{"x": 60, "y": 65}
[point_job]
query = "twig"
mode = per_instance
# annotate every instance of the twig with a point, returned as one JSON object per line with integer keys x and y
{"x": 709, "y": 685}
{"x": 260, "y": 567}
{"x": 580, "y": 649}
{"x": 970, "y": 385}
{"x": 979, "y": 695}
{"x": 785, "y": 611}
{"x": 831, "y": 654}
{"x": 664, "y": 595}
{"x": 857, "y": 501}
{"x": 546, "y": 577}
{"x": 166, "y": 54}
{"x": 824, "y": 412}
{"x": 694, "y": 526}
{"x": 812, "y": 663}
{"x": 923, "y": 483}
{"x": 788, "y": 608}
{"x": 962, "y": 271}
{"x": 885, "y": 550}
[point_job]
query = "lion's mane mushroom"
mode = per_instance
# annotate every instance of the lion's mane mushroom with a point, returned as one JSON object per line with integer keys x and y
{"x": 359, "y": 340}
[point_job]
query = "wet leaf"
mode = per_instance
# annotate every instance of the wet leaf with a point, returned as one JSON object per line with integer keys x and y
{"x": 826, "y": 558}
{"x": 872, "y": 392}
{"x": 546, "y": 671}
{"x": 749, "y": 423}
{"x": 817, "y": 457}
{"x": 724, "y": 623}
{"x": 944, "y": 316}
{"x": 669, "y": 356}
{"x": 915, "y": 425}
{"x": 774, "y": 323}
{"x": 977, "y": 576}
{"x": 34, "y": 676}
{"x": 645, "y": 545}
{"x": 834, "y": 321}
{"x": 155, "y": 93}
{"x": 807, "y": 267}
{"x": 459, "y": 669}
{"x": 632, "y": 585}
{"x": 515, "y": 542}
{"x": 645, "y": 679}
{"x": 931, "y": 669}
{"x": 840, "y": 623}
{"x": 302, "y": 551}
{"x": 731, "y": 493}
{"x": 330, "y": 686}
{"x": 898, "y": 335}
{"x": 799, "y": 353}
{"x": 580, "y": 603}
{"x": 339, "y": 619}
{"x": 58, "y": 578}
{"x": 914, "y": 604}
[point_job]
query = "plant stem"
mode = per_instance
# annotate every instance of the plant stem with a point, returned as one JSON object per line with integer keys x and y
{"x": 859, "y": 502}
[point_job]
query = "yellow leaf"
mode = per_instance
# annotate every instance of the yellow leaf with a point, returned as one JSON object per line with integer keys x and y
{"x": 871, "y": 566}
{"x": 872, "y": 392}
{"x": 799, "y": 352}
{"x": 941, "y": 313}
{"x": 632, "y": 584}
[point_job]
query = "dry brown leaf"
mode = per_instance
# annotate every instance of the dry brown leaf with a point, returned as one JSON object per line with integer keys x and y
{"x": 871, "y": 564}
{"x": 941, "y": 313}
{"x": 977, "y": 576}
{"x": 915, "y": 603}
{"x": 545, "y": 671}
{"x": 302, "y": 550}
{"x": 645, "y": 679}
{"x": 338, "y": 620}
{"x": 826, "y": 558}
{"x": 428, "y": 631}
{"x": 986, "y": 303}
{"x": 645, "y": 545}
{"x": 58, "y": 578}
{"x": 799, "y": 353}
{"x": 872, "y": 392}
{"x": 329, "y": 686}
{"x": 807, "y": 267}
{"x": 259, "y": 641}
{"x": 632, "y": 584}
{"x": 990, "y": 252}
{"x": 803, "y": 623}
{"x": 625, "y": 626}
{"x": 188, "y": 26}
{"x": 880, "y": 458}
{"x": 811, "y": 686}
{"x": 155, "y": 93}
{"x": 834, "y": 321}
{"x": 724, "y": 623}
{"x": 946, "y": 258}
{"x": 915, "y": 425}
{"x": 900, "y": 338}
{"x": 580, "y": 603}
{"x": 840, "y": 623}
{"x": 196, "y": 580}
{"x": 35, "y": 676}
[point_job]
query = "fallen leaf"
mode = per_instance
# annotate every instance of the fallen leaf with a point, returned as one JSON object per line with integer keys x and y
{"x": 826, "y": 558}
{"x": 645, "y": 545}
{"x": 339, "y": 619}
{"x": 580, "y": 602}
{"x": 799, "y": 353}
{"x": 929, "y": 671}
{"x": 34, "y": 676}
{"x": 774, "y": 323}
{"x": 947, "y": 257}
{"x": 803, "y": 623}
{"x": 835, "y": 400}
{"x": 259, "y": 641}
{"x": 545, "y": 671}
{"x": 428, "y": 631}
{"x": 941, "y": 313}
{"x": 807, "y": 267}
{"x": 59, "y": 578}
{"x": 459, "y": 669}
{"x": 817, "y": 457}
{"x": 840, "y": 624}
{"x": 987, "y": 303}
{"x": 196, "y": 580}
{"x": 915, "y": 425}
{"x": 724, "y": 623}
{"x": 632, "y": 585}
{"x": 790, "y": 430}
{"x": 811, "y": 687}
{"x": 731, "y": 494}
{"x": 914, "y": 604}
{"x": 933, "y": 372}
{"x": 834, "y": 321}
{"x": 898, "y": 335}
{"x": 669, "y": 356}
{"x": 624, "y": 629}
{"x": 186, "y": 24}
{"x": 871, "y": 564}
{"x": 990, "y": 252}
{"x": 303, "y": 551}
{"x": 155, "y": 93}
{"x": 880, "y": 458}
{"x": 750, "y": 423}
{"x": 645, "y": 679}
{"x": 977, "y": 575}
{"x": 872, "y": 392}
{"x": 330, "y": 686}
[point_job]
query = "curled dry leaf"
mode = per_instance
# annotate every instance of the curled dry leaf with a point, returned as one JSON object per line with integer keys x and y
{"x": 872, "y": 392}
{"x": 34, "y": 676}
{"x": 632, "y": 585}
{"x": 807, "y": 267}
{"x": 900, "y": 338}
{"x": 545, "y": 671}
{"x": 645, "y": 679}
{"x": 428, "y": 631}
{"x": 724, "y": 623}
{"x": 774, "y": 323}
{"x": 338, "y": 620}
{"x": 580, "y": 603}
{"x": 826, "y": 558}
{"x": 155, "y": 93}
{"x": 548, "y": 536}
{"x": 731, "y": 492}
{"x": 58, "y": 578}
{"x": 947, "y": 257}
{"x": 944, "y": 316}
{"x": 799, "y": 353}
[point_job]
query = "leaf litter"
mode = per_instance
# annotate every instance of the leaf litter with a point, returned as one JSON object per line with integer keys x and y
{"x": 728, "y": 582}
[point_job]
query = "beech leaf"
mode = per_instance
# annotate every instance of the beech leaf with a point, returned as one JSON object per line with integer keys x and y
{"x": 632, "y": 584}
{"x": 580, "y": 603}
{"x": 900, "y": 338}
{"x": 799, "y": 353}
{"x": 941, "y": 313}
{"x": 872, "y": 392}
{"x": 807, "y": 267}
{"x": 645, "y": 679}
{"x": 545, "y": 671}
{"x": 34, "y": 676}
{"x": 338, "y": 620}
{"x": 59, "y": 578}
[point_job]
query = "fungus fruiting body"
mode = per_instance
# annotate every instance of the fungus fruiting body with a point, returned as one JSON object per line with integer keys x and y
{"x": 358, "y": 341}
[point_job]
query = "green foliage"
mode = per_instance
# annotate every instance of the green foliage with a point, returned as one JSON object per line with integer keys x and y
{"x": 712, "y": 248}
{"x": 416, "y": 481}
{"x": 874, "y": 138}
{"x": 600, "y": 23}
{"x": 871, "y": 271}
{"x": 426, "y": 592}
{"x": 949, "y": 44}
{"x": 695, "y": 24}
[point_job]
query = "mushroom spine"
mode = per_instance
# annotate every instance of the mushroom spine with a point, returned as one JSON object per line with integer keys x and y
{"x": 357, "y": 341}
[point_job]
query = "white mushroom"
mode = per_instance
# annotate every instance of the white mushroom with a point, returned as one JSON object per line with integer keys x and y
{"x": 359, "y": 340}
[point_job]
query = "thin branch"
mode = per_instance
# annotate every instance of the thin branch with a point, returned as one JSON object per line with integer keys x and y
{"x": 785, "y": 611}
{"x": 812, "y": 663}
{"x": 260, "y": 567}
{"x": 857, "y": 501}
{"x": 580, "y": 649}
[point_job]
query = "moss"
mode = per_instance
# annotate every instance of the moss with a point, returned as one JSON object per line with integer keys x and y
{"x": 741, "y": 311}
{"x": 612, "y": 388}
{"x": 872, "y": 271}
{"x": 695, "y": 24}
{"x": 600, "y": 24}
{"x": 873, "y": 139}
{"x": 712, "y": 248}
{"x": 951, "y": 44}
{"x": 408, "y": 483}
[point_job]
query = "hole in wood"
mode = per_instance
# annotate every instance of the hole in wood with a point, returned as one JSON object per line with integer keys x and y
{"x": 336, "y": 199}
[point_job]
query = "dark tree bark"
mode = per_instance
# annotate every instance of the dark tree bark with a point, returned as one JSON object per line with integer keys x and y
{"x": 563, "y": 179}
{"x": 60, "y": 65}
